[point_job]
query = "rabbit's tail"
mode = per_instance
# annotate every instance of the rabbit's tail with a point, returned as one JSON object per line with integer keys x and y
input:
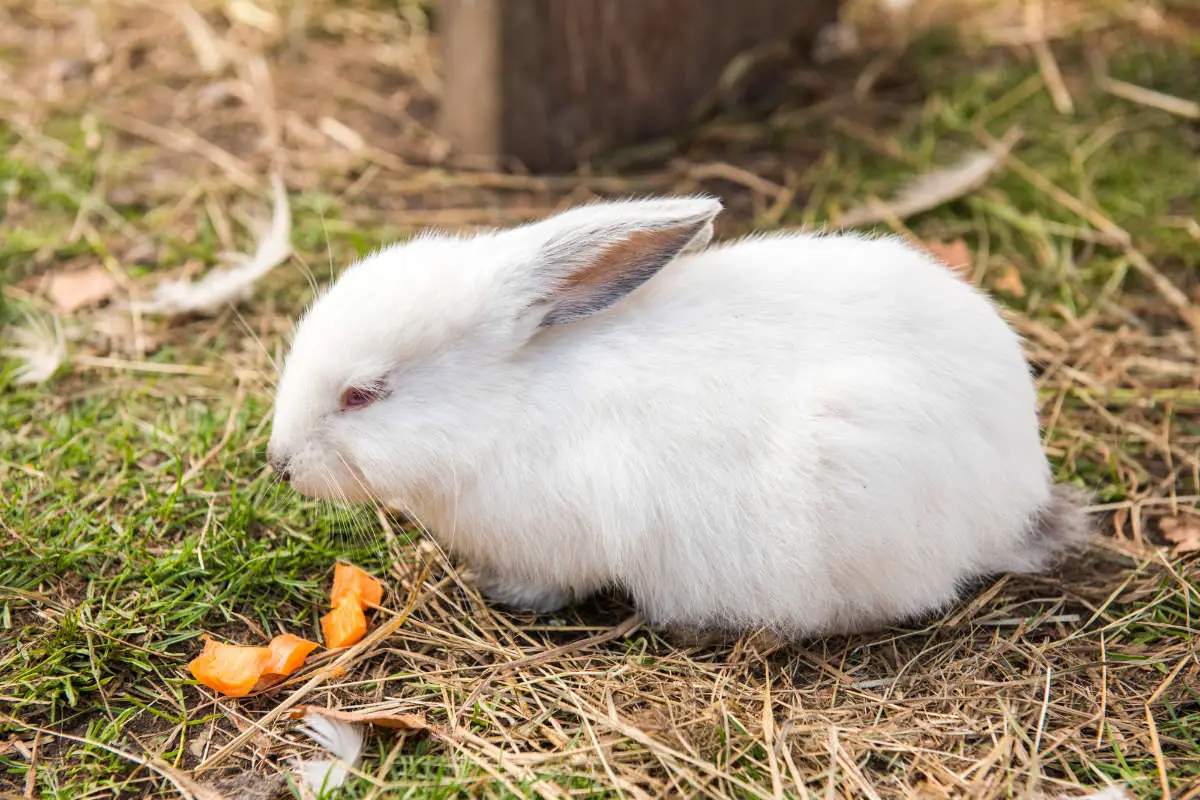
{"x": 1060, "y": 525}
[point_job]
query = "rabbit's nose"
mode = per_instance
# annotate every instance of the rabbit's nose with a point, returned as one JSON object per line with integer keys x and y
{"x": 282, "y": 466}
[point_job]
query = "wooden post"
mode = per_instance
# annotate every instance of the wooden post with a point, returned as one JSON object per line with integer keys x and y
{"x": 546, "y": 82}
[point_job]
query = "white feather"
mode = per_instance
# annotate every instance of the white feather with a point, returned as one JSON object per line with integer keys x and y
{"x": 222, "y": 286}
{"x": 932, "y": 189}
{"x": 41, "y": 349}
{"x": 344, "y": 740}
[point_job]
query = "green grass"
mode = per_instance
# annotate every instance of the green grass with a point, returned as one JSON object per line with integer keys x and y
{"x": 112, "y": 565}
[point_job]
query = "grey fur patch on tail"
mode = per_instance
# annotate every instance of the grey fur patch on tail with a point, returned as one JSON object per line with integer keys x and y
{"x": 1061, "y": 525}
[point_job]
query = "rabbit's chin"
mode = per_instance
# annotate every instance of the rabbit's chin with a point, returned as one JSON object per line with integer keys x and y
{"x": 341, "y": 486}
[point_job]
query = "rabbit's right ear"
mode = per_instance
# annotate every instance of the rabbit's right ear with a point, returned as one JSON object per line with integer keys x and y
{"x": 591, "y": 257}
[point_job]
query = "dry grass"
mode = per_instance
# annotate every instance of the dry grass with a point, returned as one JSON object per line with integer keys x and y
{"x": 138, "y": 133}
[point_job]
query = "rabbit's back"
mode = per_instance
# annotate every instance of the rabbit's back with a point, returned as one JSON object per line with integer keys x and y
{"x": 809, "y": 433}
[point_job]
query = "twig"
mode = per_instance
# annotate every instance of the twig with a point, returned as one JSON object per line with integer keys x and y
{"x": 1159, "y": 760}
{"x": 1035, "y": 21}
{"x": 1149, "y": 97}
{"x": 31, "y": 775}
{"x": 623, "y": 628}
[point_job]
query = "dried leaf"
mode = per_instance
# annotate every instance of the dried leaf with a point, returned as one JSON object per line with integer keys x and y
{"x": 70, "y": 291}
{"x": 113, "y": 332}
{"x": 932, "y": 189}
{"x": 1010, "y": 282}
{"x": 1183, "y": 532}
{"x": 384, "y": 719}
{"x": 954, "y": 254}
{"x": 223, "y": 286}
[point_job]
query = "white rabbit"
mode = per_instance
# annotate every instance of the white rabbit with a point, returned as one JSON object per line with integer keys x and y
{"x": 800, "y": 433}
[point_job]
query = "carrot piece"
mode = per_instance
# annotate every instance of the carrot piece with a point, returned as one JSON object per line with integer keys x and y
{"x": 288, "y": 652}
{"x": 345, "y": 625}
{"x": 349, "y": 580}
{"x": 229, "y": 668}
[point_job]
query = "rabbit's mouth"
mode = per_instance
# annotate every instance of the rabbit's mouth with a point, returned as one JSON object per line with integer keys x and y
{"x": 336, "y": 479}
{"x": 330, "y": 488}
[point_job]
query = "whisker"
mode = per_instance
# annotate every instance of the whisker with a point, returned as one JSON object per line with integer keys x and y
{"x": 328, "y": 245}
{"x": 364, "y": 529}
{"x": 309, "y": 276}
{"x": 258, "y": 341}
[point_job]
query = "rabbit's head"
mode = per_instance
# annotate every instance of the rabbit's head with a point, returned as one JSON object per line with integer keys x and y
{"x": 412, "y": 361}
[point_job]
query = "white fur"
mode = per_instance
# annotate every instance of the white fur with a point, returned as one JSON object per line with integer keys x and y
{"x": 804, "y": 432}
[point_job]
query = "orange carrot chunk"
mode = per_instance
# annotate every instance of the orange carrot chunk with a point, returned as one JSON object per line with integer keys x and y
{"x": 345, "y": 625}
{"x": 350, "y": 581}
{"x": 228, "y": 668}
{"x": 288, "y": 652}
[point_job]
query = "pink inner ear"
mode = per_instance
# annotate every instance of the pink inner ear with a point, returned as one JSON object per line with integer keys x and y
{"x": 595, "y": 269}
{"x": 635, "y": 250}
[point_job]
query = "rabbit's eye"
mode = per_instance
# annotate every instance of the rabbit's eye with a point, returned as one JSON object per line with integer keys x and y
{"x": 360, "y": 396}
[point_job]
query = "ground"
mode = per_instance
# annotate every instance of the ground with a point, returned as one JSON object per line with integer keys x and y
{"x": 138, "y": 513}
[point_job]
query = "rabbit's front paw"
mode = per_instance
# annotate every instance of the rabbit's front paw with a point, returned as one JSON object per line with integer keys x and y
{"x": 519, "y": 594}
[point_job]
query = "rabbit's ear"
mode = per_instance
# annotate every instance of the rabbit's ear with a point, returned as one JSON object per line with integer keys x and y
{"x": 593, "y": 256}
